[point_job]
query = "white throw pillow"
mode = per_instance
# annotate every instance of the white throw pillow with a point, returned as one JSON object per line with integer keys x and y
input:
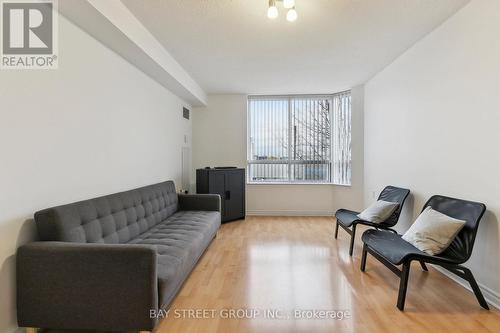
{"x": 433, "y": 231}
{"x": 379, "y": 211}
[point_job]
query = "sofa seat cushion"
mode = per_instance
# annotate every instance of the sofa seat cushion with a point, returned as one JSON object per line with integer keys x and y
{"x": 179, "y": 241}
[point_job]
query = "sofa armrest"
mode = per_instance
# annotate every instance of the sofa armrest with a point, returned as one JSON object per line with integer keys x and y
{"x": 86, "y": 286}
{"x": 210, "y": 202}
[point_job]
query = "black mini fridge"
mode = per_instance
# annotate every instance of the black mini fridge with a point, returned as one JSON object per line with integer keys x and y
{"x": 229, "y": 183}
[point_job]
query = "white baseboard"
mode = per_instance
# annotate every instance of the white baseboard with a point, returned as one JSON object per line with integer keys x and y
{"x": 492, "y": 297}
{"x": 289, "y": 213}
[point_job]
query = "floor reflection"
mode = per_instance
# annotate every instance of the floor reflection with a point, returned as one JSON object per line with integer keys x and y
{"x": 294, "y": 279}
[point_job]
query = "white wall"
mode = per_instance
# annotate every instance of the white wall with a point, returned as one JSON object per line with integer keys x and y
{"x": 432, "y": 124}
{"x": 92, "y": 127}
{"x": 219, "y": 139}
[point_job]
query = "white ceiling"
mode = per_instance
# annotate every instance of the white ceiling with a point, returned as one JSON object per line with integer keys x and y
{"x": 230, "y": 46}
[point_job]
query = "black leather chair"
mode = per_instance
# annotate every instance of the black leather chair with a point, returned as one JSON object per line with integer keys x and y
{"x": 391, "y": 250}
{"x": 348, "y": 219}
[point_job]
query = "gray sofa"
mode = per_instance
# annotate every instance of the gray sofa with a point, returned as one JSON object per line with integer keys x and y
{"x": 105, "y": 263}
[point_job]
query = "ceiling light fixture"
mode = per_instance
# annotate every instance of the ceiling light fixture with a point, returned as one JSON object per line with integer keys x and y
{"x": 291, "y": 15}
{"x": 288, "y": 3}
{"x": 272, "y": 11}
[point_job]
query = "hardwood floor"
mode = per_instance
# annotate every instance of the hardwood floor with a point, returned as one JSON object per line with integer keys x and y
{"x": 294, "y": 263}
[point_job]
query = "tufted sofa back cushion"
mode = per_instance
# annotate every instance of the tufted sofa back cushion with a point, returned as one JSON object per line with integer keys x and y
{"x": 111, "y": 219}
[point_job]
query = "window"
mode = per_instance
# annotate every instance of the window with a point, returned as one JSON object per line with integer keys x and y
{"x": 300, "y": 139}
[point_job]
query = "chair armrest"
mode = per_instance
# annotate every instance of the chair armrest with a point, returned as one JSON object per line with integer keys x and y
{"x": 86, "y": 286}
{"x": 210, "y": 202}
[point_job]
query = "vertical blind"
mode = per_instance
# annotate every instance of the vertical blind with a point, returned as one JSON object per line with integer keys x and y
{"x": 341, "y": 159}
{"x": 299, "y": 139}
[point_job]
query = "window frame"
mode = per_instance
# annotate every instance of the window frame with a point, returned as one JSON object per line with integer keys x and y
{"x": 289, "y": 161}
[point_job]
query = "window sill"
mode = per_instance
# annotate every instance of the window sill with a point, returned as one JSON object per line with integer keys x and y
{"x": 295, "y": 183}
